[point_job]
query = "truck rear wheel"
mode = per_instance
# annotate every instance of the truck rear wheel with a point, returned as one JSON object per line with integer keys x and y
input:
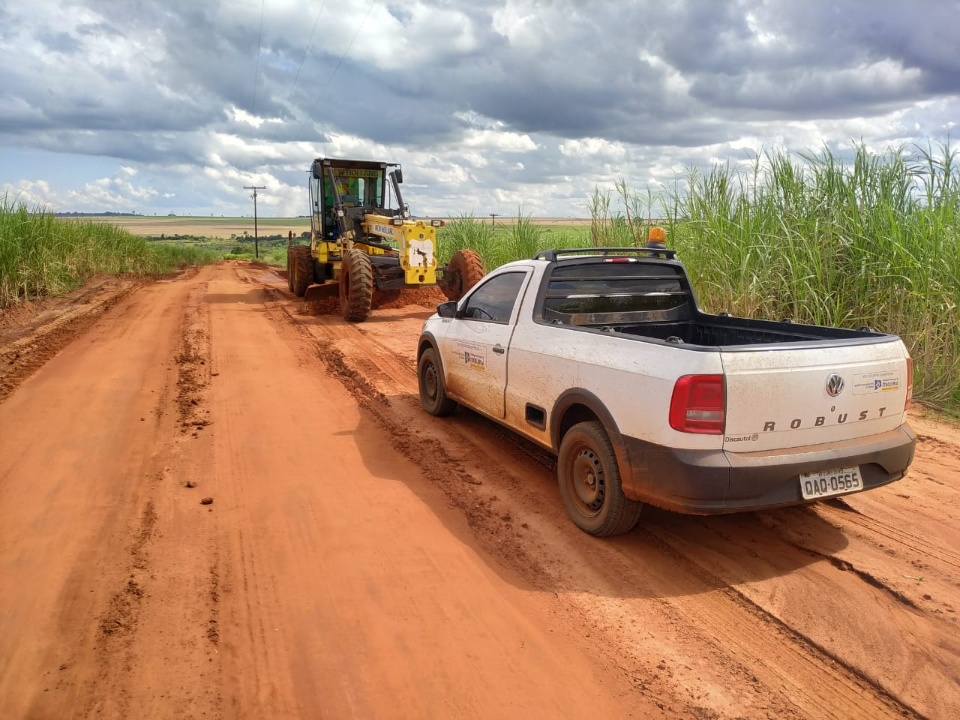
{"x": 433, "y": 394}
{"x": 589, "y": 479}
{"x": 464, "y": 270}
{"x": 356, "y": 286}
{"x": 302, "y": 266}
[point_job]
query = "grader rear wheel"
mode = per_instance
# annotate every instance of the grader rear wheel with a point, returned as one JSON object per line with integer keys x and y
{"x": 464, "y": 270}
{"x": 356, "y": 286}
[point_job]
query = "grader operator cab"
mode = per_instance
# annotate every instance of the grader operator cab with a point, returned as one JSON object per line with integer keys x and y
{"x": 364, "y": 240}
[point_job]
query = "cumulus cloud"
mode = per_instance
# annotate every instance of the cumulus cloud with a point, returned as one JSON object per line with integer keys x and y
{"x": 492, "y": 105}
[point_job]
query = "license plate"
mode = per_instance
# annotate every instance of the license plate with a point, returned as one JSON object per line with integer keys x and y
{"x": 830, "y": 482}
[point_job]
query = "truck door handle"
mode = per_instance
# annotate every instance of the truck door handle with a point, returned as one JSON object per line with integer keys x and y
{"x": 499, "y": 349}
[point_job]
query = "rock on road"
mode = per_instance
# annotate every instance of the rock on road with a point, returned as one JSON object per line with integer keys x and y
{"x": 361, "y": 559}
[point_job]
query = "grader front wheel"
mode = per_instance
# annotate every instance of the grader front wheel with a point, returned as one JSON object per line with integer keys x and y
{"x": 356, "y": 286}
{"x": 464, "y": 270}
{"x": 301, "y": 265}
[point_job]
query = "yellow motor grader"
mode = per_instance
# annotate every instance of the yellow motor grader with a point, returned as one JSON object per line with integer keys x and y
{"x": 362, "y": 244}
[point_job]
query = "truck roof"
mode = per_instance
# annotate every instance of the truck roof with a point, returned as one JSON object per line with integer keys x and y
{"x": 625, "y": 252}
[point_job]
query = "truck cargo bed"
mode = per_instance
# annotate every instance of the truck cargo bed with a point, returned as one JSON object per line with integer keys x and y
{"x": 720, "y": 331}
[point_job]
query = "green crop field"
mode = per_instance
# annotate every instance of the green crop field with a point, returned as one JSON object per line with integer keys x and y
{"x": 41, "y": 254}
{"x": 208, "y": 227}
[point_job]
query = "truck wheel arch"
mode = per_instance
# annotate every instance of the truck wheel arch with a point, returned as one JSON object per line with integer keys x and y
{"x": 578, "y": 405}
{"x": 427, "y": 341}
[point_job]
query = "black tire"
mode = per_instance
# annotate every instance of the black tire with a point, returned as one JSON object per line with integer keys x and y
{"x": 290, "y": 268}
{"x": 433, "y": 394}
{"x": 356, "y": 286}
{"x": 589, "y": 479}
{"x": 464, "y": 270}
{"x": 302, "y": 263}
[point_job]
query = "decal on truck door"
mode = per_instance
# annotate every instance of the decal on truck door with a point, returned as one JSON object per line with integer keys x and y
{"x": 472, "y": 355}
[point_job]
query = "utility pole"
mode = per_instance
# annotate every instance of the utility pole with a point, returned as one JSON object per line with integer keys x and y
{"x": 256, "y": 241}
{"x": 493, "y": 219}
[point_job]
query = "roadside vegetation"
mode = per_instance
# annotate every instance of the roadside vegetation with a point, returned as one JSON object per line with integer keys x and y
{"x": 873, "y": 241}
{"x": 272, "y": 248}
{"x": 41, "y": 254}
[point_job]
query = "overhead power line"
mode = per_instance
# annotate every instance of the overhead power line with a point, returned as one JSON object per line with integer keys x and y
{"x": 256, "y": 71}
{"x": 306, "y": 50}
{"x": 340, "y": 61}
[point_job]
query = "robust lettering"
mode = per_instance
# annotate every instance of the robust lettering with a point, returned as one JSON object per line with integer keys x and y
{"x": 821, "y": 420}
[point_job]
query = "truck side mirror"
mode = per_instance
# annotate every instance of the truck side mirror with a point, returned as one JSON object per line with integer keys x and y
{"x": 447, "y": 309}
{"x": 399, "y": 174}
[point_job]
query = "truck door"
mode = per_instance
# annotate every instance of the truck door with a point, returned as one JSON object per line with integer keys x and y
{"x": 478, "y": 342}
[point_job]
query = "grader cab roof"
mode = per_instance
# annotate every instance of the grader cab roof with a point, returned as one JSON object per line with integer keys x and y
{"x": 340, "y": 163}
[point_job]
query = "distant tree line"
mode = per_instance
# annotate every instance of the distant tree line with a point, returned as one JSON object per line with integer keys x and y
{"x": 98, "y": 214}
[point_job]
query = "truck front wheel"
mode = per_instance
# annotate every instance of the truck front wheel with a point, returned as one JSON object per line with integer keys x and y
{"x": 589, "y": 479}
{"x": 433, "y": 394}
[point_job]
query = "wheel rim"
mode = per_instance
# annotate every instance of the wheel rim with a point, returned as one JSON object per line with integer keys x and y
{"x": 430, "y": 381}
{"x": 588, "y": 480}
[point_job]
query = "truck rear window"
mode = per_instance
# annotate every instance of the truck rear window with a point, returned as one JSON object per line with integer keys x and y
{"x": 612, "y": 288}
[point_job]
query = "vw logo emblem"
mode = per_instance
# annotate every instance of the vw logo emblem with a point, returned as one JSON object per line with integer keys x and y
{"x": 834, "y": 385}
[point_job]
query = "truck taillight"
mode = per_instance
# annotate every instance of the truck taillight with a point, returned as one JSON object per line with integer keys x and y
{"x": 906, "y": 403}
{"x": 699, "y": 404}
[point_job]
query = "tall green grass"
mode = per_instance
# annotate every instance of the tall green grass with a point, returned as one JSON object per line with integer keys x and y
{"x": 41, "y": 254}
{"x": 502, "y": 243}
{"x": 873, "y": 240}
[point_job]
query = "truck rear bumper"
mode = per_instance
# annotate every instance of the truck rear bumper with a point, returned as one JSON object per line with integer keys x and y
{"x": 707, "y": 482}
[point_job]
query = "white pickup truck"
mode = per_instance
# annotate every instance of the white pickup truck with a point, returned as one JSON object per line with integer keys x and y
{"x": 603, "y": 357}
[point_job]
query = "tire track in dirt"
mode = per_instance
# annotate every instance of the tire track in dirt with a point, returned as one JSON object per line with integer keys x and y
{"x": 387, "y": 375}
{"x": 850, "y": 692}
{"x": 25, "y": 349}
{"x": 150, "y": 605}
{"x": 814, "y": 654}
{"x": 898, "y": 536}
{"x": 460, "y": 483}
{"x": 936, "y": 445}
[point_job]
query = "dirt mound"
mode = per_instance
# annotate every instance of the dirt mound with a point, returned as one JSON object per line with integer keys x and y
{"x": 321, "y": 302}
{"x": 323, "y": 306}
{"x": 428, "y": 297}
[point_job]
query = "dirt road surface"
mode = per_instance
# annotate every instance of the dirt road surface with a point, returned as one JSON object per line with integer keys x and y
{"x": 361, "y": 559}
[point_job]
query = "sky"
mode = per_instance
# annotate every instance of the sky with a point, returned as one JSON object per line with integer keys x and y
{"x": 502, "y": 106}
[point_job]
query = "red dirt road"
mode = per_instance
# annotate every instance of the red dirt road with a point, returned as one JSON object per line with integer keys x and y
{"x": 362, "y": 559}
